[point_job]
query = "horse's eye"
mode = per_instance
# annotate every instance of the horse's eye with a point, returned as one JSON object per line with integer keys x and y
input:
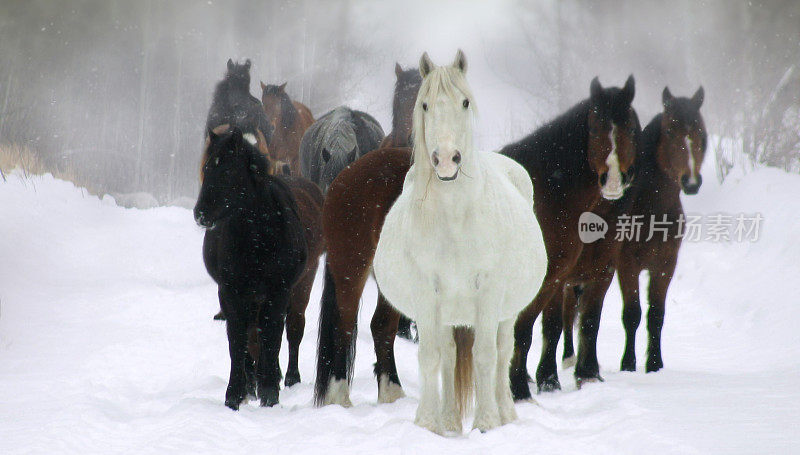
{"x": 425, "y": 107}
{"x": 465, "y": 103}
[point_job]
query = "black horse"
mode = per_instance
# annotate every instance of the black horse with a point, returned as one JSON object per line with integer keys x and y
{"x": 234, "y": 105}
{"x": 255, "y": 250}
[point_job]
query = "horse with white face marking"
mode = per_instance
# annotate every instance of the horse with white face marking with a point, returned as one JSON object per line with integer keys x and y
{"x": 461, "y": 253}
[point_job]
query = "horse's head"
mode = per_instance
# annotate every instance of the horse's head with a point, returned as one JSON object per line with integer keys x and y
{"x": 277, "y": 105}
{"x": 405, "y": 95}
{"x": 233, "y": 173}
{"x": 442, "y": 120}
{"x": 239, "y": 74}
{"x": 682, "y": 145}
{"x": 613, "y": 134}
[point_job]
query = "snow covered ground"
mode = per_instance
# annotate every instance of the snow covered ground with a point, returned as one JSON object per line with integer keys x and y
{"x": 107, "y": 346}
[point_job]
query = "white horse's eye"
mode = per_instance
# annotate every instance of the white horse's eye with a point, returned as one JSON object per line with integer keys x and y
{"x": 425, "y": 107}
{"x": 465, "y": 103}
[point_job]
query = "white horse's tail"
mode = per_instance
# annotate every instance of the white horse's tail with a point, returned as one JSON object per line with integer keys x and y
{"x": 464, "y": 374}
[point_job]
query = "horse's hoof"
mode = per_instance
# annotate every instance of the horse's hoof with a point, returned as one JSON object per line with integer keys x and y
{"x": 550, "y": 384}
{"x": 338, "y": 393}
{"x": 486, "y": 421}
{"x": 388, "y": 390}
{"x": 452, "y": 424}
{"x": 627, "y": 365}
{"x": 652, "y": 368}
{"x": 430, "y": 423}
{"x": 234, "y": 402}
{"x": 219, "y": 316}
{"x": 581, "y": 380}
{"x": 507, "y": 414}
{"x": 569, "y": 362}
{"x": 268, "y": 395}
{"x": 291, "y": 379}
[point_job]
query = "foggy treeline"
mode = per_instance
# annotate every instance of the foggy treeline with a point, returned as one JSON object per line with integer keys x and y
{"x": 118, "y": 90}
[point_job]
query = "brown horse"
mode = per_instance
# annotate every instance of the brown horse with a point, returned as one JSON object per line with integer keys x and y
{"x": 355, "y": 206}
{"x": 670, "y": 155}
{"x": 309, "y": 204}
{"x": 289, "y": 120}
{"x": 575, "y": 161}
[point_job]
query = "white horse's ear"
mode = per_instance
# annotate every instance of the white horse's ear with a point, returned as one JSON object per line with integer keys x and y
{"x": 425, "y": 65}
{"x": 460, "y": 62}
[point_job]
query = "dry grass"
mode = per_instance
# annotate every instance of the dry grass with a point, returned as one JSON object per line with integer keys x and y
{"x": 27, "y": 160}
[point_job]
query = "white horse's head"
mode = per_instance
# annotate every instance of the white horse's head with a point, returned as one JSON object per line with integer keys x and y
{"x": 443, "y": 118}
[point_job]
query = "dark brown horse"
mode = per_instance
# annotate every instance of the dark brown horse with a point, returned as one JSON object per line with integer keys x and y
{"x": 670, "y": 155}
{"x": 289, "y": 120}
{"x": 575, "y": 161}
{"x": 355, "y": 206}
{"x": 309, "y": 201}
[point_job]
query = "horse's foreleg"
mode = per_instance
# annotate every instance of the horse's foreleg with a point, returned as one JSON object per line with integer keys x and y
{"x": 523, "y": 334}
{"x": 384, "y": 327}
{"x": 505, "y": 349}
{"x": 547, "y": 372}
{"x": 268, "y": 370}
{"x": 451, "y": 416}
{"x": 656, "y": 296}
{"x": 296, "y": 321}
{"x": 429, "y": 411}
{"x": 587, "y": 368}
{"x": 569, "y": 307}
{"x": 484, "y": 351}
{"x": 631, "y": 314}
{"x": 236, "y": 325}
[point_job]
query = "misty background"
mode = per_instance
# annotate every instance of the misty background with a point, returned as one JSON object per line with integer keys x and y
{"x": 116, "y": 92}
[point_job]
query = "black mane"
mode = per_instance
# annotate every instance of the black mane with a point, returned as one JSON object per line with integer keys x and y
{"x": 559, "y": 148}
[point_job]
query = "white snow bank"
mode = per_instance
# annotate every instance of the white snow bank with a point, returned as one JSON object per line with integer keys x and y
{"x": 107, "y": 346}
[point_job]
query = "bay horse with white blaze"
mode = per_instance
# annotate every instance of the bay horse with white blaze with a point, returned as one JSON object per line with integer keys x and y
{"x": 355, "y": 207}
{"x": 575, "y": 161}
{"x": 460, "y": 251}
{"x": 670, "y": 155}
{"x": 255, "y": 250}
{"x": 289, "y": 120}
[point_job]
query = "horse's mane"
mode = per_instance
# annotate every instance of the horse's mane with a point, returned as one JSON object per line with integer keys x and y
{"x": 442, "y": 79}
{"x": 560, "y": 145}
{"x": 288, "y": 111}
{"x": 337, "y": 131}
{"x": 369, "y": 133}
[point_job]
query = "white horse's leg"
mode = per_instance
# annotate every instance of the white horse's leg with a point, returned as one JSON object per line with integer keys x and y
{"x": 487, "y": 415}
{"x": 428, "y": 411}
{"x": 505, "y": 349}
{"x": 450, "y": 415}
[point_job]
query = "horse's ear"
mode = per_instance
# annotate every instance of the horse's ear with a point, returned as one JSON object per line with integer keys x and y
{"x": 230, "y": 64}
{"x": 629, "y": 89}
{"x": 666, "y": 97}
{"x": 425, "y": 65}
{"x": 596, "y": 91}
{"x": 398, "y": 70}
{"x": 326, "y": 155}
{"x": 263, "y": 86}
{"x": 247, "y": 64}
{"x": 236, "y": 135}
{"x": 697, "y": 98}
{"x": 460, "y": 62}
{"x": 282, "y": 87}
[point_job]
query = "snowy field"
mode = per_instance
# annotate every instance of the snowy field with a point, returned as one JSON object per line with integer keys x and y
{"x": 107, "y": 346}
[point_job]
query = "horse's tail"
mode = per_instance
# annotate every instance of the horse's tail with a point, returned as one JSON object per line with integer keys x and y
{"x": 464, "y": 374}
{"x": 328, "y": 344}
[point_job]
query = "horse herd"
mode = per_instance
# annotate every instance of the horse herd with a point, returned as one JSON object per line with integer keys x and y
{"x": 476, "y": 245}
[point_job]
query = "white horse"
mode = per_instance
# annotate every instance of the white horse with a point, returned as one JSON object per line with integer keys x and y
{"x": 461, "y": 253}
